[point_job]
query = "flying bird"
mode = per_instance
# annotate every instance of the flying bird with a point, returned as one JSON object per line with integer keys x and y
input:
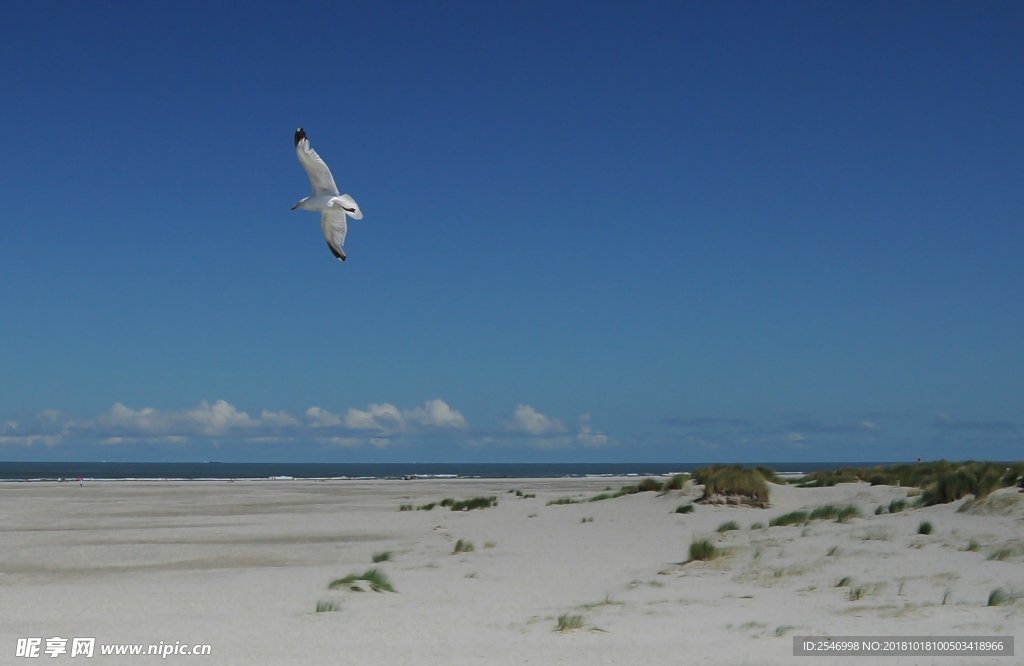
{"x": 333, "y": 207}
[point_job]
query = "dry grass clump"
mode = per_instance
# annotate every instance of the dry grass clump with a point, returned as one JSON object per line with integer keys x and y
{"x": 733, "y": 481}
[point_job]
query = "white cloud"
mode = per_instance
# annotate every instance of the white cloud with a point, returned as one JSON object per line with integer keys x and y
{"x": 220, "y": 418}
{"x": 436, "y": 414}
{"x": 587, "y": 436}
{"x": 383, "y": 417}
{"x": 377, "y": 425}
{"x": 321, "y": 418}
{"x": 529, "y": 421}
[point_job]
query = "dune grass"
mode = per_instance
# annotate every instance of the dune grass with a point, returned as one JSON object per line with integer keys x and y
{"x": 326, "y": 606}
{"x": 684, "y": 508}
{"x": 728, "y": 526}
{"x": 563, "y": 500}
{"x": 675, "y": 482}
{"x": 567, "y": 622}
{"x": 382, "y": 556}
{"x": 463, "y": 546}
{"x": 474, "y": 503}
{"x": 733, "y": 481}
{"x": 941, "y": 481}
{"x": 924, "y": 528}
{"x": 840, "y": 514}
{"x": 375, "y": 579}
{"x": 791, "y": 518}
{"x": 703, "y": 550}
{"x": 1001, "y": 554}
{"x": 998, "y": 597}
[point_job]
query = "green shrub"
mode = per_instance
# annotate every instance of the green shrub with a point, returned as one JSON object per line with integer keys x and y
{"x": 684, "y": 508}
{"x": 728, "y": 526}
{"x": 924, "y": 528}
{"x": 998, "y": 598}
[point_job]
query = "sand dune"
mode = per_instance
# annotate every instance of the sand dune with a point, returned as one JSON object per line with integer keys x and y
{"x": 242, "y": 566}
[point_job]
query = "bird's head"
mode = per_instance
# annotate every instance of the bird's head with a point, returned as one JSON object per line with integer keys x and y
{"x": 298, "y": 204}
{"x": 300, "y": 134}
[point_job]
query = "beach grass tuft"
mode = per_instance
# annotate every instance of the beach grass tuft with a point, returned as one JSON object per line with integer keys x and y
{"x": 728, "y": 526}
{"x": 998, "y": 597}
{"x": 463, "y": 546}
{"x": 856, "y": 593}
{"x": 703, "y": 550}
{"x": 924, "y": 528}
{"x": 844, "y": 582}
{"x": 474, "y": 503}
{"x": 675, "y": 482}
{"x": 684, "y": 508}
{"x": 1001, "y": 554}
{"x": 733, "y": 481}
{"x": 791, "y": 518}
{"x": 567, "y": 622}
{"x": 382, "y": 556}
{"x": 375, "y": 579}
{"x": 326, "y": 606}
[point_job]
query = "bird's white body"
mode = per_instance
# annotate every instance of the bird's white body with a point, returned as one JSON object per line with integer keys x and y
{"x": 333, "y": 206}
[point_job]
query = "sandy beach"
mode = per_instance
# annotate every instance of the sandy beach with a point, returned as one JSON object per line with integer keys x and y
{"x": 242, "y": 566}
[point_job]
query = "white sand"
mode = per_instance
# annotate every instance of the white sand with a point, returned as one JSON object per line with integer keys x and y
{"x": 242, "y": 565}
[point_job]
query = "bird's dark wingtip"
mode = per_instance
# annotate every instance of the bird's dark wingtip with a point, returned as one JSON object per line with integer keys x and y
{"x": 337, "y": 255}
{"x": 300, "y": 134}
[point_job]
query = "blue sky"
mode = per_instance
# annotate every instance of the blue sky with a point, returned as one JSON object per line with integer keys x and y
{"x": 657, "y": 231}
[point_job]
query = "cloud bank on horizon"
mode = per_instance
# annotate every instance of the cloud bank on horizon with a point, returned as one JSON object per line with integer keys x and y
{"x": 436, "y": 426}
{"x": 378, "y": 425}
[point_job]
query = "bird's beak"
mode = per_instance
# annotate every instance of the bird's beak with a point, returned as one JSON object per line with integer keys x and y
{"x": 295, "y": 206}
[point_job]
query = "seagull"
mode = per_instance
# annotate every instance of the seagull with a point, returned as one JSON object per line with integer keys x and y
{"x": 333, "y": 206}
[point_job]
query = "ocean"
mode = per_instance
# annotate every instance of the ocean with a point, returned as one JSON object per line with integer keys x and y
{"x": 127, "y": 471}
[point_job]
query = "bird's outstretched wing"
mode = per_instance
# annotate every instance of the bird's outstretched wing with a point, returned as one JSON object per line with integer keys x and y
{"x": 319, "y": 175}
{"x": 351, "y": 207}
{"x": 334, "y": 226}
